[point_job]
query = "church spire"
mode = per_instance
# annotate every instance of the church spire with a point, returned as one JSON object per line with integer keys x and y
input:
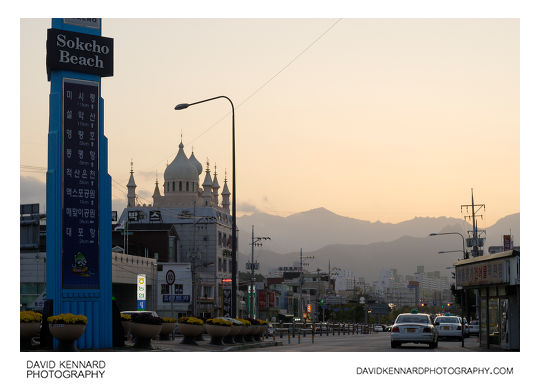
{"x": 225, "y": 194}
{"x": 215, "y": 186}
{"x": 156, "y": 194}
{"x": 131, "y": 186}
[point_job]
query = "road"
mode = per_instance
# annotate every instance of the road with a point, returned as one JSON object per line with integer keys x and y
{"x": 376, "y": 342}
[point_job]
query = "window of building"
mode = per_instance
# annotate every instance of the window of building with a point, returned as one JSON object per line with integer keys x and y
{"x": 230, "y": 266}
{"x": 180, "y": 186}
{"x": 219, "y": 264}
{"x": 167, "y": 186}
{"x": 178, "y": 288}
{"x": 164, "y": 289}
{"x": 173, "y": 186}
{"x": 193, "y": 186}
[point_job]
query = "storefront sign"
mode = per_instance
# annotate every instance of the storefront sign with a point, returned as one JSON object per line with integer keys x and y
{"x": 183, "y": 298}
{"x": 227, "y": 302}
{"x": 483, "y": 273}
{"x": 80, "y": 211}
{"x": 79, "y": 52}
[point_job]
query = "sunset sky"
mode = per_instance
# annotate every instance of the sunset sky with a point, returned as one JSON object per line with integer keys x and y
{"x": 375, "y": 119}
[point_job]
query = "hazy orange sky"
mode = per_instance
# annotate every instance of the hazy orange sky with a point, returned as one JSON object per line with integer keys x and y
{"x": 376, "y": 119}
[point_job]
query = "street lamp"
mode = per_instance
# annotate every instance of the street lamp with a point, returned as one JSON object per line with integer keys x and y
{"x": 183, "y": 106}
{"x": 465, "y": 256}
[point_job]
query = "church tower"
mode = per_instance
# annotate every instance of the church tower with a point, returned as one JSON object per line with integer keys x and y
{"x": 215, "y": 187}
{"x": 225, "y": 194}
{"x": 131, "y": 186}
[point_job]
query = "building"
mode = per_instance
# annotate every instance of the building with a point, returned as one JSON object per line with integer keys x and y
{"x": 494, "y": 280}
{"x": 199, "y": 227}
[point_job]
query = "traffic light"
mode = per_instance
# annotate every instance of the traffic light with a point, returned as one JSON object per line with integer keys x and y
{"x": 422, "y": 304}
{"x": 448, "y": 304}
{"x": 322, "y": 301}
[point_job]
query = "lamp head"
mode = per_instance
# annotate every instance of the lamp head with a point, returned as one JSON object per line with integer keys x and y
{"x": 181, "y": 106}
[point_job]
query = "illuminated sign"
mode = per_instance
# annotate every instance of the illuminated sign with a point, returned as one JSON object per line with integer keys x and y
{"x": 482, "y": 273}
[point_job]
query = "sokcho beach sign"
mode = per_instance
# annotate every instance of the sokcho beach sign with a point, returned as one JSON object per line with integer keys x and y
{"x": 79, "y": 52}
{"x": 79, "y": 262}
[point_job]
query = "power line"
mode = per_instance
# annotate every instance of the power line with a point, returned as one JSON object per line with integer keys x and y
{"x": 266, "y": 82}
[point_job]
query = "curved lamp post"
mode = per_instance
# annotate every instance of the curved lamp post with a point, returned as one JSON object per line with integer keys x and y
{"x": 183, "y": 106}
{"x": 465, "y": 256}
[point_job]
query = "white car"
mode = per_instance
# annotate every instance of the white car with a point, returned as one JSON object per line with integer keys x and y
{"x": 413, "y": 328}
{"x": 449, "y": 327}
{"x": 474, "y": 328}
{"x": 378, "y": 328}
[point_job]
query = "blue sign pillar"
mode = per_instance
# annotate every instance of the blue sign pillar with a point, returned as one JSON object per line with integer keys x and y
{"x": 79, "y": 258}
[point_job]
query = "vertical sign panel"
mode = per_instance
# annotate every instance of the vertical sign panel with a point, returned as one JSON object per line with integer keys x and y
{"x": 141, "y": 291}
{"x": 80, "y": 218}
{"x": 227, "y": 302}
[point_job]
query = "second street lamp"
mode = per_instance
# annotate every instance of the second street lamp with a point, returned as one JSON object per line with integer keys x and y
{"x": 183, "y": 106}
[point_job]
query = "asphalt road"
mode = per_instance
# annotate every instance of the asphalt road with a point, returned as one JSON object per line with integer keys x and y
{"x": 376, "y": 342}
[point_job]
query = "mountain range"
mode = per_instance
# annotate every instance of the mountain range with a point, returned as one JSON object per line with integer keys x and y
{"x": 361, "y": 247}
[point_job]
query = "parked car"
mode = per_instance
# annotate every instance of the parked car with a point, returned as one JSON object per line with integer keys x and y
{"x": 449, "y": 327}
{"x": 474, "y": 328}
{"x": 413, "y": 328}
{"x": 378, "y": 328}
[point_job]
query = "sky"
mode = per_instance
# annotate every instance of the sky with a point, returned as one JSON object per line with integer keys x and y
{"x": 375, "y": 119}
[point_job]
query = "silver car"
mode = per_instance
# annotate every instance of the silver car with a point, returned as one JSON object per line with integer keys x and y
{"x": 449, "y": 327}
{"x": 413, "y": 328}
{"x": 474, "y": 328}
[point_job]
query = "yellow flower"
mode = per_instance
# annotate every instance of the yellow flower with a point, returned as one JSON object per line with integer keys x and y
{"x": 190, "y": 320}
{"x": 30, "y": 316}
{"x": 68, "y": 318}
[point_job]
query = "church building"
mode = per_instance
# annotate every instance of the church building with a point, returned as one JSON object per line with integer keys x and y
{"x": 202, "y": 229}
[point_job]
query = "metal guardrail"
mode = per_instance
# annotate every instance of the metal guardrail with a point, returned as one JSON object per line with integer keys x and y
{"x": 319, "y": 329}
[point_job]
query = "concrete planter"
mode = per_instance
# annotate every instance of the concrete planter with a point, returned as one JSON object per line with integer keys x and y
{"x": 144, "y": 333}
{"x": 29, "y": 330}
{"x": 190, "y": 332}
{"x": 217, "y": 332}
{"x": 126, "y": 325}
{"x": 67, "y": 334}
{"x": 166, "y": 330}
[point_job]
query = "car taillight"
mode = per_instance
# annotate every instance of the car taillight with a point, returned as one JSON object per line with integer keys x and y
{"x": 427, "y": 330}
{"x": 395, "y": 329}
{"x": 458, "y": 327}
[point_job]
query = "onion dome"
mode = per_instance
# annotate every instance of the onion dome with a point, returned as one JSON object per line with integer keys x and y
{"x": 195, "y": 162}
{"x": 181, "y": 168}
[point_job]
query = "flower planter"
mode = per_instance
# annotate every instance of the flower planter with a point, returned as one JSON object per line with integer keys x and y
{"x": 217, "y": 332}
{"x": 144, "y": 333}
{"x": 166, "y": 329}
{"x": 29, "y": 330}
{"x": 190, "y": 331}
{"x": 67, "y": 334}
{"x": 259, "y": 332}
{"x": 126, "y": 325}
{"x": 233, "y": 333}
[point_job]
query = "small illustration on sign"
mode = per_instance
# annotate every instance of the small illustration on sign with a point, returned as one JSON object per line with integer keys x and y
{"x": 79, "y": 265}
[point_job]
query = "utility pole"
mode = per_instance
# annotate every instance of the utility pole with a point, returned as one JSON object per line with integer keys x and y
{"x": 255, "y": 241}
{"x": 300, "y": 303}
{"x": 475, "y": 240}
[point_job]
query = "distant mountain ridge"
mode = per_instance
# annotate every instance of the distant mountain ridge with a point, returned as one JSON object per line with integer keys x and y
{"x": 360, "y": 246}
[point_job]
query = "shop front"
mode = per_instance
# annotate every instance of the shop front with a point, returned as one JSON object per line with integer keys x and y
{"x": 494, "y": 280}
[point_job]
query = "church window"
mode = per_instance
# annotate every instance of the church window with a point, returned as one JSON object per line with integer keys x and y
{"x": 173, "y": 186}
{"x": 180, "y": 186}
